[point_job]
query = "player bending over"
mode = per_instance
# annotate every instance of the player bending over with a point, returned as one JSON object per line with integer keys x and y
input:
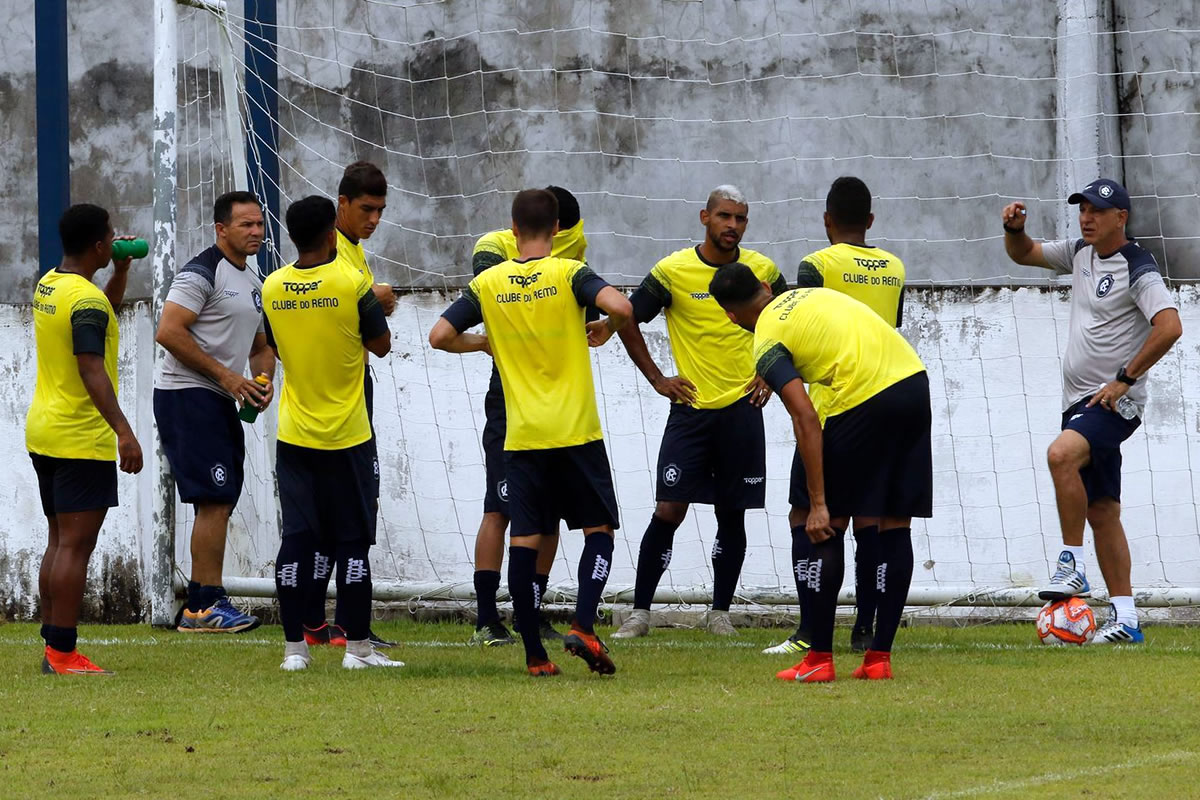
{"x": 1123, "y": 320}
{"x": 713, "y": 449}
{"x": 875, "y": 277}
{"x": 362, "y": 198}
{"x": 873, "y": 458}
{"x": 557, "y": 469}
{"x": 495, "y": 248}
{"x": 319, "y": 317}
{"x": 75, "y": 431}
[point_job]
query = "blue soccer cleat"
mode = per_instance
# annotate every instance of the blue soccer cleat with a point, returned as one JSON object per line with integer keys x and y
{"x": 1115, "y": 632}
{"x": 221, "y": 617}
{"x": 1067, "y": 581}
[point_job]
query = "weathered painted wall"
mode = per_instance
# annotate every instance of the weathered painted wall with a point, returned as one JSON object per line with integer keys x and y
{"x": 946, "y": 109}
{"x": 993, "y": 360}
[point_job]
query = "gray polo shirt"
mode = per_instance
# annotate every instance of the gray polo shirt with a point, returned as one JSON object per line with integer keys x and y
{"x": 1113, "y": 300}
{"x": 227, "y": 302}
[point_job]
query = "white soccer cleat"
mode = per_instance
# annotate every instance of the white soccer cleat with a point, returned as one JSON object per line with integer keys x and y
{"x": 1067, "y": 581}
{"x": 375, "y": 659}
{"x": 295, "y": 662}
{"x": 636, "y": 625}
{"x": 1115, "y": 632}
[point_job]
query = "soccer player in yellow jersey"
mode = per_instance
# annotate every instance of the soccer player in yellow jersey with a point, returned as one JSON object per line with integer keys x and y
{"x": 532, "y": 308}
{"x": 495, "y": 248}
{"x": 75, "y": 431}
{"x": 362, "y": 198}
{"x": 864, "y": 453}
{"x": 319, "y": 317}
{"x": 874, "y": 277}
{"x": 713, "y": 450}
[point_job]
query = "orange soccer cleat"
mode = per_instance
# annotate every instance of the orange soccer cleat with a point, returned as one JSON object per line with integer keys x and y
{"x": 543, "y": 669}
{"x": 815, "y": 668}
{"x": 876, "y": 666}
{"x": 589, "y": 647}
{"x": 72, "y": 663}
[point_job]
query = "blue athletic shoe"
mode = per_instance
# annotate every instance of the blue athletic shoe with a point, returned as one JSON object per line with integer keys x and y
{"x": 1115, "y": 632}
{"x": 1067, "y": 581}
{"x": 221, "y": 617}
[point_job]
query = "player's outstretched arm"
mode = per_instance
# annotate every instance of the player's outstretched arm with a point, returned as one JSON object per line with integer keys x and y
{"x": 444, "y": 336}
{"x": 1020, "y": 248}
{"x": 619, "y": 310}
{"x": 100, "y": 390}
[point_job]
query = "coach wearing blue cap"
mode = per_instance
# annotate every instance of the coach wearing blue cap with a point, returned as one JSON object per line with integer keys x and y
{"x": 1123, "y": 320}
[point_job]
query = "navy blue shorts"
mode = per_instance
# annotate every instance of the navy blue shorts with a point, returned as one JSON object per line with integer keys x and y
{"x": 330, "y": 495}
{"x": 204, "y": 442}
{"x": 1105, "y": 431}
{"x": 495, "y": 428}
{"x": 67, "y": 485}
{"x": 573, "y": 484}
{"x": 716, "y": 456}
{"x": 878, "y": 456}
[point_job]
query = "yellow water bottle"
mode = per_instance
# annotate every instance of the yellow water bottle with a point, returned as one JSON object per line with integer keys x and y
{"x": 249, "y": 412}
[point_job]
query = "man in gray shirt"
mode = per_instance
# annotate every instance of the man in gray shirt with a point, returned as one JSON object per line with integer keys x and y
{"x": 1123, "y": 320}
{"x": 211, "y": 325}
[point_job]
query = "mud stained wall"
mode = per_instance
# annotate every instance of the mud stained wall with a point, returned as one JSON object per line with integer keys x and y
{"x": 946, "y": 110}
{"x": 993, "y": 359}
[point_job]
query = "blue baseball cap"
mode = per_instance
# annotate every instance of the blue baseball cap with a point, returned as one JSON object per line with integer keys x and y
{"x": 1102, "y": 193}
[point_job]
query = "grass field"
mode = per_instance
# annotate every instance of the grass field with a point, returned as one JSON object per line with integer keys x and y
{"x": 978, "y": 712}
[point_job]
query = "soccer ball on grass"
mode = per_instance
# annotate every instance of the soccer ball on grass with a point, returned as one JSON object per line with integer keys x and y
{"x": 1068, "y": 621}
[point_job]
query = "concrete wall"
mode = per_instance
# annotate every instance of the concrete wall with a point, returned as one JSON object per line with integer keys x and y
{"x": 946, "y": 109}
{"x": 993, "y": 360}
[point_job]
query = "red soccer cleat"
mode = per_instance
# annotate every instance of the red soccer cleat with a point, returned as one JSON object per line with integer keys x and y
{"x": 72, "y": 663}
{"x": 876, "y": 666}
{"x": 589, "y": 647}
{"x": 815, "y": 668}
{"x": 325, "y": 634}
{"x": 543, "y": 669}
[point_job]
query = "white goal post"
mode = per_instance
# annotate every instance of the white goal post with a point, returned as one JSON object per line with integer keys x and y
{"x": 640, "y": 112}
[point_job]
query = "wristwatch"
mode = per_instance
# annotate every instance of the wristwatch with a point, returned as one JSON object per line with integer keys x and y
{"x": 1125, "y": 378}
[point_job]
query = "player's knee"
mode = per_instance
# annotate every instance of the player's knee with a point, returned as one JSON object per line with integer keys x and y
{"x": 797, "y": 516}
{"x": 1103, "y": 513}
{"x": 671, "y": 512}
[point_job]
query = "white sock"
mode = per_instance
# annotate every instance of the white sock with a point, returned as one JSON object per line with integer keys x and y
{"x": 1126, "y": 613}
{"x": 361, "y": 648}
{"x": 299, "y": 648}
{"x": 1076, "y": 552}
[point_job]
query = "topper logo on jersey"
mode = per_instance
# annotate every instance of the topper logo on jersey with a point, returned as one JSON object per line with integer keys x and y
{"x": 219, "y": 474}
{"x": 671, "y": 474}
{"x": 871, "y": 263}
{"x": 525, "y": 281}
{"x": 1106, "y": 283}
{"x": 700, "y": 295}
{"x": 45, "y": 291}
{"x": 301, "y": 287}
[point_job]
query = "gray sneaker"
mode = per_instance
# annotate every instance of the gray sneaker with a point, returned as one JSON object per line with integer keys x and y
{"x": 637, "y": 624}
{"x": 719, "y": 624}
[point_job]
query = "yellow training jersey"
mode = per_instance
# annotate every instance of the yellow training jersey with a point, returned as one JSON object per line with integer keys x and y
{"x": 351, "y": 255}
{"x": 709, "y": 350}
{"x": 834, "y": 341}
{"x": 533, "y": 312}
{"x": 318, "y": 318}
{"x": 868, "y": 274}
{"x": 497, "y": 246}
{"x": 70, "y": 317}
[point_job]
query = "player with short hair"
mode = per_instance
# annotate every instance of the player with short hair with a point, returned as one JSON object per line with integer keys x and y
{"x": 865, "y": 452}
{"x": 319, "y": 316}
{"x": 211, "y": 325}
{"x": 713, "y": 449}
{"x": 75, "y": 431}
{"x": 875, "y": 277}
{"x": 557, "y": 469}
{"x": 362, "y": 198}
{"x": 1123, "y": 320}
{"x": 495, "y": 248}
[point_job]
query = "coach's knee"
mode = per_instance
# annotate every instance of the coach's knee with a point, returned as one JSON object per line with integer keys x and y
{"x": 1065, "y": 456}
{"x": 671, "y": 512}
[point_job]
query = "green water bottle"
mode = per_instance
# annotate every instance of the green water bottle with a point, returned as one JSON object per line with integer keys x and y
{"x": 249, "y": 413}
{"x": 129, "y": 248}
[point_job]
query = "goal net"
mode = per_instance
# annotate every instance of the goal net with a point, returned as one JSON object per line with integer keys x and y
{"x": 640, "y": 109}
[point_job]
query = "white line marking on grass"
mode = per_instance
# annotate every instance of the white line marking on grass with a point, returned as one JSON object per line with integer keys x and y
{"x": 1058, "y": 777}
